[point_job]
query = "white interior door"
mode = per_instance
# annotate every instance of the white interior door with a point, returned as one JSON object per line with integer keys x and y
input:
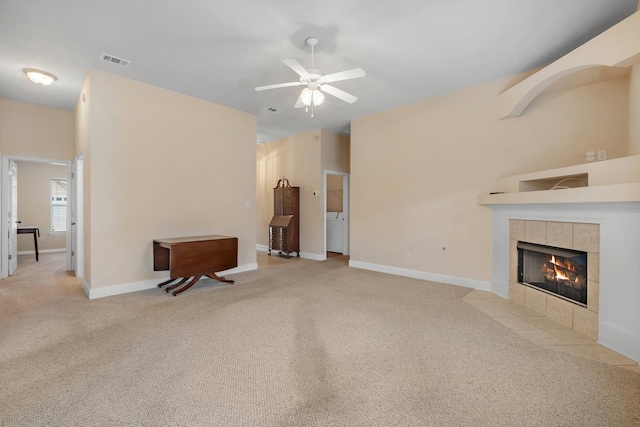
{"x": 338, "y": 234}
{"x": 13, "y": 217}
{"x": 77, "y": 219}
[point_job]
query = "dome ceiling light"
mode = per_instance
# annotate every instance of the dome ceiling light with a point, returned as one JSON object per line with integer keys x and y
{"x": 41, "y": 78}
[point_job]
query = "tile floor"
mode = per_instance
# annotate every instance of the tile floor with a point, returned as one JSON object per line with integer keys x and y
{"x": 544, "y": 331}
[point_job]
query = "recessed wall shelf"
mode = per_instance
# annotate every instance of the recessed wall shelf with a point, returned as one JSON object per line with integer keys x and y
{"x": 555, "y": 183}
{"x": 616, "y": 180}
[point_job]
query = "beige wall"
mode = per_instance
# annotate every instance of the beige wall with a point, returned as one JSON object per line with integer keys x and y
{"x": 34, "y": 204}
{"x": 302, "y": 159}
{"x": 335, "y": 151}
{"x": 334, "y": 193}
{"x": 618, "y": 46}
{"x": 298, "y": 158}
{"x": 34, "y": 131}
{"x": 164, "y": 165}
{"x": 335, "y": 158}
{"x": 416, "y": 171}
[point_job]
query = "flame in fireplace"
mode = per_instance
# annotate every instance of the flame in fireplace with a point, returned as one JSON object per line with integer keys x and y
{"x": 561, "y": 270}
{"x": 563, "y": 274}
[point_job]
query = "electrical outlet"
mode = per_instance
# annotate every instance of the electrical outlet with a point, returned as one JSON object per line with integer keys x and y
{"x": 591, "y": 156}
{"x": 407, "y": 254}
{"x": 602, "y": 155}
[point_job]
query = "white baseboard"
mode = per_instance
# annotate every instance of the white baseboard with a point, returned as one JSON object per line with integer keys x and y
{"x": 86, "y": 289}
{"x": 315, "y": 257}
{"x": 306, "y": 255}
{"x": 423, "y": 275}
{"x": 240, "y": 269}
{"x": 125, "y": 288}
{"x": 619, "y": 339}
{"x": 42, "y": 251}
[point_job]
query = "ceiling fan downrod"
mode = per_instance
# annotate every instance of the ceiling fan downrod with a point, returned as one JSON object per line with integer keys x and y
{"x": 311, "y": 42}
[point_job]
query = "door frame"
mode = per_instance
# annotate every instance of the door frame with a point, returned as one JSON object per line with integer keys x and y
{"x": 12, "y": 220}
{"x": 345, "y": 210}
{"x": 4, "y": 206}
{"x": 76, "y": 219}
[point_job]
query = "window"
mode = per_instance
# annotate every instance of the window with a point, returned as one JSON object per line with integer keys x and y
{"x": 58, "y": 205}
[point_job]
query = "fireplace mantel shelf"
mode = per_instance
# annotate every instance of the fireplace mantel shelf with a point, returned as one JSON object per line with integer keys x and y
{"x": 610, "y": 181}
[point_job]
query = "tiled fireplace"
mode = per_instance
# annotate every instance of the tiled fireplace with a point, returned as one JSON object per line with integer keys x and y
{"x": 568, "y": 240}
{"x": 609, "y": 233}
{"x": 599, "y": 217}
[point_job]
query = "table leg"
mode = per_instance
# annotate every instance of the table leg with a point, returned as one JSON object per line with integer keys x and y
{"x": 166, "y": 283}
{"x": 219, "y": 279}
{"x": 35, "y": 244}
{"x": 184, "y": 279}
{"x": 190, "y": 284}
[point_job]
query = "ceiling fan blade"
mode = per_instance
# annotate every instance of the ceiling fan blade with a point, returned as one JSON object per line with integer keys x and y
{"x": 299, "y": 103}
{"x": 338, "y": 93}
{"x": 295, "y": 66}
{"x": 344, "y": 75}
{"x": 259, "y": 88}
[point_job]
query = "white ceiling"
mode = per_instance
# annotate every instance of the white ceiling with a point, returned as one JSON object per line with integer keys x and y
{"x": 220, "y": 50}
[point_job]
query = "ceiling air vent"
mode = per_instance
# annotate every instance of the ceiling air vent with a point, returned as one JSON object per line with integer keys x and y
{"x": 272, "y": 109}
{"x": 115, "y": 60}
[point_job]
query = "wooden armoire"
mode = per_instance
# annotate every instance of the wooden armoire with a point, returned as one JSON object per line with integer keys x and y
{"x": 284, "y": 228}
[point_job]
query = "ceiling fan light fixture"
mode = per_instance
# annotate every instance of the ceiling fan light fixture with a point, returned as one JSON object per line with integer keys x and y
{"x": 315, "y": 81}
{"x": 318, "y": 97}
{"x": 309, "y": 97}
{"x": 39, "y": 77}
{"x": 306, "y": 96}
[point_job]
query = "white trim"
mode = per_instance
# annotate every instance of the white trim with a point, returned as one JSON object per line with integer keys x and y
{"x": 76, "y": 237}
{"x": 306, "y": 255}
{"x": 42, "y": 251}
{"x": 240, "y": 269}
{"x": 4, "y": 216}
{"x": 37, "y": 160}
{"x": 86, "y": 288}
{"x": 622, "y": 340}
{"x": 345, "y": 209}
{"x": 423, "y": 275}
{"x": 125, "y": 288}
{"x": 315, "y": 257}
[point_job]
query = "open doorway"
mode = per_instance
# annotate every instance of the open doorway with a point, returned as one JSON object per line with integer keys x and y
{"x": 336, "y": 209}
{"x": 36, "y": 210}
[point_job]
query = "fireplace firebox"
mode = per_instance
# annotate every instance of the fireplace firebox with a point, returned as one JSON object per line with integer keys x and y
{"x": 558, "y": 271}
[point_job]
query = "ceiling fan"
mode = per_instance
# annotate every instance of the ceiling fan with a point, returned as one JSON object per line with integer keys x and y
{"x": 316, "y": 83}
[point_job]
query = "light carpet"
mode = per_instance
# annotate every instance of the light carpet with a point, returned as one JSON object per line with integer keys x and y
{"x": 295, "y": 343}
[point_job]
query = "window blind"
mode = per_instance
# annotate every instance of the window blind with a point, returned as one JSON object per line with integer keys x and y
{"x": 58, "y": 205}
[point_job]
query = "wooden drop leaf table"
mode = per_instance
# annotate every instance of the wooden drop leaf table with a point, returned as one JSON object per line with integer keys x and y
{"x": 190, "y": 258}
